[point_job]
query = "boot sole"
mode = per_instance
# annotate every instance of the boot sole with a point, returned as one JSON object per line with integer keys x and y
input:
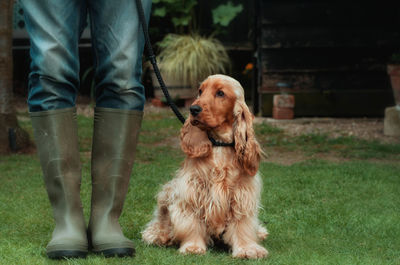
{"x": 116, "y": 252}
{"x": 67, "y": 254}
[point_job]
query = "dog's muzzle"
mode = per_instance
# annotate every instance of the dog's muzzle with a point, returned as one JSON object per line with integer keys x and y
{"x": 195, "y": 110}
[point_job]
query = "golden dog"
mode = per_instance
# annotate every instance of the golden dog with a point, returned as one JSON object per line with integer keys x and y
{"x": 216, "y": 192}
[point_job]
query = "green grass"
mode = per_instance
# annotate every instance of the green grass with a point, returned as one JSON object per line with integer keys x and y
{"x": 348, "y": 147}
{"x": 317, "y": 212}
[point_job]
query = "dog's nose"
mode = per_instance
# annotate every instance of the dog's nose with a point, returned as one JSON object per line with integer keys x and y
{"x": 195, "y": 110}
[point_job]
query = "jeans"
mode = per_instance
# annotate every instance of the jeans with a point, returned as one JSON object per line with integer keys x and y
{"x": 55, "y": 26}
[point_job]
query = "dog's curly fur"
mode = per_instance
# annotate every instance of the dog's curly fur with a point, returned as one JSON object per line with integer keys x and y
{"x": 216, "y": 192}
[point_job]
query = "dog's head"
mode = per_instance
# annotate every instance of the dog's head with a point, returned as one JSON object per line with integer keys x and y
{"x": 220, "y": 107}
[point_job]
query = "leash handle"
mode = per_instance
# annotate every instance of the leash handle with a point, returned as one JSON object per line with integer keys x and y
{"x": 153, "y": 61}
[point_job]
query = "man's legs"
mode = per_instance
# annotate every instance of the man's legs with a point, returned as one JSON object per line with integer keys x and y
{"x": 54, "y": 27}
{"x": 118, "y": 46}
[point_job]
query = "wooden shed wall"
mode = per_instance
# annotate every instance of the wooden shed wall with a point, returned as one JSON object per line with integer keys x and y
{"x": 332, "y": 54}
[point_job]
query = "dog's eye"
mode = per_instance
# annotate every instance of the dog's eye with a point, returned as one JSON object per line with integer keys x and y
{"x": 200, "y": 91}
{"x": 220, "y": 93}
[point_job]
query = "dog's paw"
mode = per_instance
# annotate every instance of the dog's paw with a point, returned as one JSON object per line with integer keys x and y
{"x": 192, "y": 248}
{"x": 262, "y": 233}
{"x": 253, "y": 251}
{"x": 151, "y": 235}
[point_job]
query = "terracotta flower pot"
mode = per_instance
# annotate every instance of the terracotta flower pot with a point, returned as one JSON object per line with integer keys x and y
{"x": 394, "y": 73}
{"x": 177, "y": 89}
{"x": 283, "y": 106}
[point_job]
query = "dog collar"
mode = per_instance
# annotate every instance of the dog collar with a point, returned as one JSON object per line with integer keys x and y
{"x": 218, "y": 143}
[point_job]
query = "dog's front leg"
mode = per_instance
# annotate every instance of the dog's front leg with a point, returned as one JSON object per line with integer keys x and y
{"x": 241, "y": 235}
{"x": 190, "y": 232}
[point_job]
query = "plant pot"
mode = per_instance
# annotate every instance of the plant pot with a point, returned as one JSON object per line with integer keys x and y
{"x": 394, "y": 73}
{"x": 177, "y": 89}
{"x": 283, "y": 106}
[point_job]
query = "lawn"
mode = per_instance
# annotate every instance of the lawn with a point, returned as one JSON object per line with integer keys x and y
{"x": 317, "y": 211}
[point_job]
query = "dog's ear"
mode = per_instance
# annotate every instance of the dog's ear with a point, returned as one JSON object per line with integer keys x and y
{"x": 194, "y": 142}
{"x": 248, "y": 151}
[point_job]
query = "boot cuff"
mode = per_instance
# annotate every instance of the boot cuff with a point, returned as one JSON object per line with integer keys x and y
{"x": 122, "y": 111}
{"x": 52, "y": 112}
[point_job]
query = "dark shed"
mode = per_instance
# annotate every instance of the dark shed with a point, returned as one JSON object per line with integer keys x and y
{"x": 331, "y": 55}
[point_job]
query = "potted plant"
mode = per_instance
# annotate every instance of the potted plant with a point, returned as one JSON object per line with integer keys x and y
{"x": 186, "y": 57}
{"x": 393, "y": 69}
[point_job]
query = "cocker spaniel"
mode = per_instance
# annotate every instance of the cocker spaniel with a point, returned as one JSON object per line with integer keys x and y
{"x": 216, "y": 192}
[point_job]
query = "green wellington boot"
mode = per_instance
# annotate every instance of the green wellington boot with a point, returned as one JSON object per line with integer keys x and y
{"x": 114, "y": 145}
{"x": 56, "y": 137}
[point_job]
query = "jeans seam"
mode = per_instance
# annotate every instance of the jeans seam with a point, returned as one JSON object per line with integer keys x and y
{"x": 94, "y": 48}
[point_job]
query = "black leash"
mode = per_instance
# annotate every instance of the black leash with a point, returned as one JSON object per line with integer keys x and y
{"x": 153, "y": 61}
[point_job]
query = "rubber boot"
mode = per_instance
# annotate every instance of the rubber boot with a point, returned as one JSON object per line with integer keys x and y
{"x": 56, "y": 137}
{"x": 113, "y": 152}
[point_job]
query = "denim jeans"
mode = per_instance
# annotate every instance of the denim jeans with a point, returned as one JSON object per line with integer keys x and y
{"x": 55, "y": 26}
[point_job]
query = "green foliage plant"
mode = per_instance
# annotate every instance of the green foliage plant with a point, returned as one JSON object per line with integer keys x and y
{"x": 192, "y": 58}
{"x": 223, "y": 15}
{"x": 395, "y": 58}
{"x": 181, "y": 12}
{"x": 186, "y": 55}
